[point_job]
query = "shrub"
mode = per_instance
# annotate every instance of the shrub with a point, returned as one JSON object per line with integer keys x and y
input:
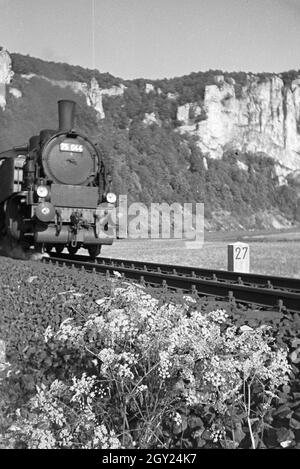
{"x": 152, "y": 375}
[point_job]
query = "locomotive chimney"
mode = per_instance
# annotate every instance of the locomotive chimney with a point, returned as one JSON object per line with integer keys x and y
{"x": 66, "y": 115}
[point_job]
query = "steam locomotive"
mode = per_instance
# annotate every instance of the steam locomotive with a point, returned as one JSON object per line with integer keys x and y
{"x": 55, "y": 192}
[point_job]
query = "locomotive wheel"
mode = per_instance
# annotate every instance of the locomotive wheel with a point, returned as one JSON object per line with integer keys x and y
{"x": 94, "y": 250}
{"x": 48, "y": 248}
{"x": 25, "y": 245}
{"x": 13, "y": 219}
{"x": 59, "y": 248}
{"x": 72, "y": 250}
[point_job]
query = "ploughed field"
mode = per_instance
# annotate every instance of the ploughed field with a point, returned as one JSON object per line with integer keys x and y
{"x": 35, "y": 296}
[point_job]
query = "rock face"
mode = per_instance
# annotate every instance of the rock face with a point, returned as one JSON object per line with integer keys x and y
{"x": 6, "y": 75}
{"x": 15, "y": 92}
{"x": 151, "y": 118}
{"x": 262, "y": 116}
{"x": 92, "y": 91}
{"x": 265, "y": 117}
{"x": 149, "y": 87}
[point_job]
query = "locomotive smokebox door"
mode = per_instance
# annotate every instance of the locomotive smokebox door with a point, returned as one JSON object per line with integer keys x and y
{"x": 68, "y": 161}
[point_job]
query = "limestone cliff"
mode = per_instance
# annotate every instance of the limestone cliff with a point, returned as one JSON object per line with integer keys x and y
{"x": 264, "y": 117}
{"x": 261, "y": 115}
{"x": 6, "y": 75}
{"x": 91, "y": 91}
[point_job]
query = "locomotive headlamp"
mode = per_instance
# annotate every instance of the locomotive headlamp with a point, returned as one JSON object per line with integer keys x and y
{"x": 42, "y": 191}
{"x": 111, "y": 197}
{"x": 45, "y": 212}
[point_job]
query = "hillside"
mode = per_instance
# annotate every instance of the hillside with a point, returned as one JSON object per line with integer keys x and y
{"x": 230, "y": 140}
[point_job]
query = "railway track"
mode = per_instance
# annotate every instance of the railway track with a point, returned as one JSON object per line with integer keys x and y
{"x": 269, "y": 291}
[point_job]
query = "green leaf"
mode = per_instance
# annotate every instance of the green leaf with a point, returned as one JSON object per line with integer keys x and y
{"x": 238, "y": 433}
{"x": 284, "y": 434}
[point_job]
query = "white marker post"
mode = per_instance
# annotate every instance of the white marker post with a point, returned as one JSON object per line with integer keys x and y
{"x": 2, "y": 351}
{"x": 238, "y": 257}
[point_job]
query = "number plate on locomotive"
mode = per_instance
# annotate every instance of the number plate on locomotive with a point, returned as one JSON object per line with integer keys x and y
{"x": 74, "y": 147}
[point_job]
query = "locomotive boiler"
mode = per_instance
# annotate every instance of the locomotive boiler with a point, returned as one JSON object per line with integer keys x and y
{"x": 54, "y": 191}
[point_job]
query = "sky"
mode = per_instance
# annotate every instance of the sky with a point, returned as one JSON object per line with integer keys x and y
{"x": 156, "y": 38}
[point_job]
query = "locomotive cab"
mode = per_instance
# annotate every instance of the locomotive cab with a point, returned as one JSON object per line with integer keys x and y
{"x": 62, "y": 194}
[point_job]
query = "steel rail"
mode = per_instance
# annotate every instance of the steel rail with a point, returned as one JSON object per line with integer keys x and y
{"x": 241, "y": 278}
{"x": 252, "y": 294}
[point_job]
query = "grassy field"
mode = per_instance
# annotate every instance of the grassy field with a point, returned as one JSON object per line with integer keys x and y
{"x": 276, "y": 253}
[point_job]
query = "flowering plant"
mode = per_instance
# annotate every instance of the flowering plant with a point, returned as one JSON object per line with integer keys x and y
{"x": 150, "y": 372}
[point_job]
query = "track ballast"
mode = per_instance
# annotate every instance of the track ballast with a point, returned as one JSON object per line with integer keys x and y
{"x": 255, "y": 289}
